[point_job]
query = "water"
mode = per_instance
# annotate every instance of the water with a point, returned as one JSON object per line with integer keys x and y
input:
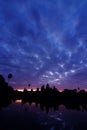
{"x": 18, "y": 116}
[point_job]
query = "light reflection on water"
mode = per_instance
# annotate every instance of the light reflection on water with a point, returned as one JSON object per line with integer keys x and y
{"x": 61, "y": 119}
{"x": 18, "y": 101}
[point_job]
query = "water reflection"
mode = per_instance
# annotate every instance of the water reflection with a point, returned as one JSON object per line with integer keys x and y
{"x": 26, "y": 115}
{"x": 58, "y": 117}
{"x": 18, "y": 101}
{"x": 57, "y": 106}
{"x": 43, "y": 106}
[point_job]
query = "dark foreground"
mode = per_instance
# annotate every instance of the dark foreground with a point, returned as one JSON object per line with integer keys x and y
{"x": 47, "y": 109}
{"x": 18, "y": 116}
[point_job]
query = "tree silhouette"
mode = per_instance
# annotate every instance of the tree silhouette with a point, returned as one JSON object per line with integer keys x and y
{"x": 29, "y": 85}
{"x": 2, "y": 80}
{"x": 37, "y": 90}
{"x": 78, "y": 88}
{"x": 9, "y": 77}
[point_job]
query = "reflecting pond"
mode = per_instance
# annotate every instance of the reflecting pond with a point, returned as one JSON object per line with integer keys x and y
{"x": 31, "y": 116}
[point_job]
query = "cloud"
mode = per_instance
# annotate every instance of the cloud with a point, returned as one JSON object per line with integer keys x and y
{"x": 44, "y": 41}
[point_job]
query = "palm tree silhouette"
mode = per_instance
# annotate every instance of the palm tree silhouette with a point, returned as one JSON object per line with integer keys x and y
{"x": 9, "y": 77}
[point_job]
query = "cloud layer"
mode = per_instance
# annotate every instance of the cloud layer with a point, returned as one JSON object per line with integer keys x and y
{"x": 44, "y": 41}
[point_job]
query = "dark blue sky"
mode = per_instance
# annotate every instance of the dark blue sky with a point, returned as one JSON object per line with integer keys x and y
{"x": 44, "y": 41}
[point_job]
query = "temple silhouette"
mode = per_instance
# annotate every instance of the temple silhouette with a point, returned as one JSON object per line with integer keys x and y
{"x": 47, "y": 97}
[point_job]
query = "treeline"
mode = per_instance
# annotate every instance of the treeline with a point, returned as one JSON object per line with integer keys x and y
{"x": 46, "y": 97}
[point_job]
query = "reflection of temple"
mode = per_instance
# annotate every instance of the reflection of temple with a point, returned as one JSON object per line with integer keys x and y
{"x": 47, "y": 97}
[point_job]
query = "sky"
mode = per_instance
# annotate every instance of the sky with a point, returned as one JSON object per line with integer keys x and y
{"x": 44, "y": 41}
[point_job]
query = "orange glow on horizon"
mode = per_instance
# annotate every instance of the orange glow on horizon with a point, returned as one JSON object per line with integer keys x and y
{"x": 21, "y": 90}
{"x": 34, "y": 89}
{"x": 85, "y": 89}
{"x": 60, "y": 90}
